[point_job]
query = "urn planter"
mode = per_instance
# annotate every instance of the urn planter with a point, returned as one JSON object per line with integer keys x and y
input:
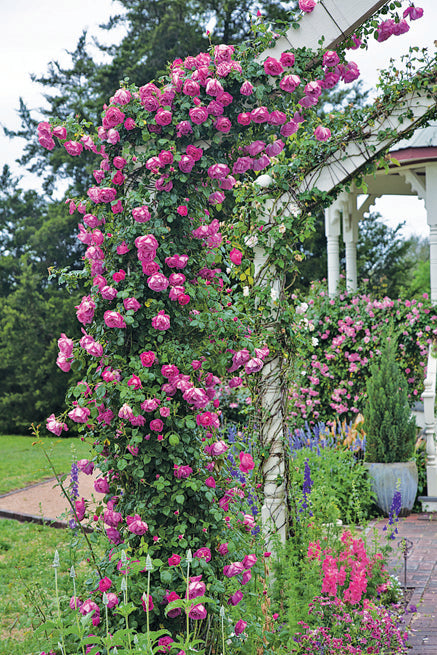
{"x": 396, "y": 476}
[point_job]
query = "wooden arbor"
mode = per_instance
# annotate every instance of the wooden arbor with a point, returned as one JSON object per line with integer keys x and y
{"x": 336, "y": 20}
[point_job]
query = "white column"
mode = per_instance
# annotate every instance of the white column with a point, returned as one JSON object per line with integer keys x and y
{"x": 272, "y": 422}
{"x": 429, "y": 393}
{"x": 350, "y": 238}
{"x": 431, "y": 209}
{"x": 332, "y": 231}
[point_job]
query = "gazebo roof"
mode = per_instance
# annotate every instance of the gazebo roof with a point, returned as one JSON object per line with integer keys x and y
{"x": 421, "y": 147}
{"x": 424, "y": 137}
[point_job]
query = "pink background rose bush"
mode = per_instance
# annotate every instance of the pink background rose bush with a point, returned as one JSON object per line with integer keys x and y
{"x": 340, "y": 339}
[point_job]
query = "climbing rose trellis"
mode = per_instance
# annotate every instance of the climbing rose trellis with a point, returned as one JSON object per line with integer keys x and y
{"x": 174, "y": 309}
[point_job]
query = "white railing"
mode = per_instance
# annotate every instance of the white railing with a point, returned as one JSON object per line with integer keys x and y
{"x": 429, "y": 503}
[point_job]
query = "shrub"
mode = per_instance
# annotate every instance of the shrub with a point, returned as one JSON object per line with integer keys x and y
{"x": 389, "y": 426}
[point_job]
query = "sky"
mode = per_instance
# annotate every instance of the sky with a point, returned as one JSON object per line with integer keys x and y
{"x": 35, "y": 33}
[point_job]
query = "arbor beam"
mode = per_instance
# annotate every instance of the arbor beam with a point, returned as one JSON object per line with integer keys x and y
{"x": 336, "y": 20}
{"x": 345, "y": 163}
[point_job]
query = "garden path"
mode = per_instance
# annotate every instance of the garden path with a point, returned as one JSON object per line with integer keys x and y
{"x": 46, "y": 500}
{"x": 421, "y": 530}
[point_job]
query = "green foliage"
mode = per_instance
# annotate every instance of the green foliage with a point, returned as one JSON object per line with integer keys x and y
{"x": 384, "y": 257}
{"x": 388, "y": 423}
{"x": 31, "y": 320}
{"x": 341, "y": 484}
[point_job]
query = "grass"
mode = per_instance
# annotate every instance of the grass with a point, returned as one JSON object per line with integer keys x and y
{"x": 22, "y": 463}
{"x": 27, "y": 596}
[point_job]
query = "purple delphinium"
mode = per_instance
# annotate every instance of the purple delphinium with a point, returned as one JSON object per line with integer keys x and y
{"x": 306, "y": 489}
{"x": 74, "y": 491}
{"x": 393, "y": 517}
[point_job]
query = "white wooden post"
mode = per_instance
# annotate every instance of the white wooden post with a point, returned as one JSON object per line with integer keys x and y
{"x": 332, "y": 231}
{"x": 273, "y": 390}
{"x": 350, "y": 238}
{"x": 429, "y": 502}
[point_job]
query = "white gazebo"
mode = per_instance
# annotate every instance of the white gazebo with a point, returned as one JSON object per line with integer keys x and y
{"x": 414, "y": 175}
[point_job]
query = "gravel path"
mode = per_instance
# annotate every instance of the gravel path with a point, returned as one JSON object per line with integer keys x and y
{"x": 45, "y": 499}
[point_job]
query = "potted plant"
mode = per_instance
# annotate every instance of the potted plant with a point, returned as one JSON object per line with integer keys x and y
{"x": 390, "y": 433}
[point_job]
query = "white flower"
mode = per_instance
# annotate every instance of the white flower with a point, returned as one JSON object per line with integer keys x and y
{"x": 301, "y": 309}
{"x": 274, "y": 294}
{"x": 251, "y": 241}
{"x": 245, "y": 291}
{"x": 314, "y": 341}
{"x": 282, "y": 228}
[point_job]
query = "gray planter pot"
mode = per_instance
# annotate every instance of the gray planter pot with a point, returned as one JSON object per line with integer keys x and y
{"x": 388, "y": 478}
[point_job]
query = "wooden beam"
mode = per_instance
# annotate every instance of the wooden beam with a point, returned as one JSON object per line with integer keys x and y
{"x": 346, "y": 162}
{"x": 336, "y": 20}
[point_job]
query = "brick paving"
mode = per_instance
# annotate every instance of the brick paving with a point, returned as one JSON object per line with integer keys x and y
{"x": 421, "y": 530}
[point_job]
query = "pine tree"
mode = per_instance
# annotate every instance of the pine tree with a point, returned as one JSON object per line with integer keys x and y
{"x": 390, "y": 428}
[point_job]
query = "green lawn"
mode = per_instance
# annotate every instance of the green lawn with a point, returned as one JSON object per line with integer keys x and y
{"x": 22, "y": 463}
{"x": 27, "y": 596}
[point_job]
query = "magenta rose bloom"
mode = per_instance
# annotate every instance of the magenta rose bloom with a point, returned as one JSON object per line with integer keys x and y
{"x": 79, "y": 414}
{"x": 101, "y": 485}
{"x": 114, "y": 319}
{"x": 113, "y": 116}
{"x": 230, "y": 570}
{"x": 272, "y": 66}
{"x": 289, "y": 83}
{"x": 105, "y": 584}
{"x": 136, "y": 525}
{"x": 246, "y": 88}
{"x": 161, "y": 321}
{"x": 182, "y": 472}
{"x": 322, "y": 133}
{"x": 55, "y": 426}
{"x": 246, "y": 463}
{"x": 260, "y": 115}
{"x": 235, "y": 598}
{"x": 131, "y": 303}
{"x": 253, "y": 365}
{"x": 114, "y": 536}
{"x": 203, "y": 553}
{"x": 198, "y": 115}
{"x": 147, "y": 358}
{"x": 73, "y": 148}
{"x": 85, "y": 466}
{"x": 223, "y": 124}
{"x": 307, "y": 6}
{"x": 244, "y": 118}
{"x": 249, "y": 561}
{"x": 236, "y": 256}
{"x": 186, "y": 164}
{"x": 163, "y": 117}
{"x": 240, "y": 627}
{"x": 156, "y": 425}
{"x": 157, "y": 282}
{"x": 198, "y": 612}
{"x": 85, "y": 311}
{"x": 174, "y": 560}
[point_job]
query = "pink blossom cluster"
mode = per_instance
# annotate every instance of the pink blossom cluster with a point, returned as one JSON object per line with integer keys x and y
{"x": 349, "y": 340}
{"x": 346, "y": 574}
